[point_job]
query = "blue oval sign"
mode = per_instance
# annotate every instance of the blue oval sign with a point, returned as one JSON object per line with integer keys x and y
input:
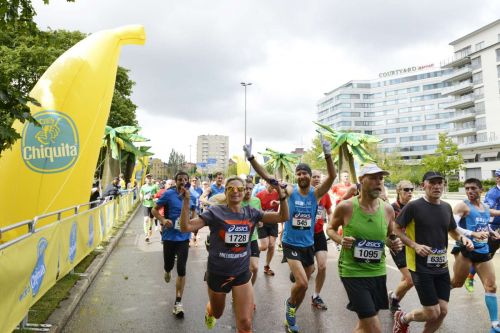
{"x": 51, "y": 147}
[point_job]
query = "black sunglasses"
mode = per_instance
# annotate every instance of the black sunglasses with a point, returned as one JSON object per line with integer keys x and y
{"x": 408, "y": 189}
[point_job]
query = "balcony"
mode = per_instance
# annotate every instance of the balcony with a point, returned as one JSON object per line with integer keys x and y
{"x": 463, "y": 131}
{"x": 460, "y": 74}
{"x": 458, "y": 60}
{"x": 465, "y": 114}
{"x": 461, "y": 102}
{"x": 458, "y": 89}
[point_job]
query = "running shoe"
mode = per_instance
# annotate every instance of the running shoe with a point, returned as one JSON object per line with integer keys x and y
{"x": 178, "y": 310}
{"x": 210, "y": 321}
{"x": 393, "y": 303}
{"x": 268, "y": 270}
{"x": 292, "y": 278}
{"x": 469, "y": 285}
{"x": 167, "y": 277}
{"x": 290, "y": 324}
{"x": 399, "y": 327}
{"x": 318, "y": 303}
{"x": 495, "y": 328}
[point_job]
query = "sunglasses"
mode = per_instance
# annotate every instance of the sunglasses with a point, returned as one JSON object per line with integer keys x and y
{"x": 408, "y": 189}
{"x": 235, "y": 188}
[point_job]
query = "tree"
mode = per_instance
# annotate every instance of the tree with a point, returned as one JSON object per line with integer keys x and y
{"x": 176, "y": 162}
{"x": 446, "y": 159}
{"x": 122, "y": 108}
{"x": 350, "y": 145}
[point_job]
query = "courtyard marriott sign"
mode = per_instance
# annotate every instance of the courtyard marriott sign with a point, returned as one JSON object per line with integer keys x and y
{"x": 405, "y": 70}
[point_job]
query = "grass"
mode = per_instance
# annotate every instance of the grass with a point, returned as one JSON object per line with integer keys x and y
{"x": 41, "y": 310}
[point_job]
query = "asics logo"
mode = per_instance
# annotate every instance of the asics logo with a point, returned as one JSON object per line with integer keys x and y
{"x": 235, "y": 228}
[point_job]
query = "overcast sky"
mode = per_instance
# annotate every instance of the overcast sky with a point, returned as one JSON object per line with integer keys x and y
{"x": 197, "y": 52}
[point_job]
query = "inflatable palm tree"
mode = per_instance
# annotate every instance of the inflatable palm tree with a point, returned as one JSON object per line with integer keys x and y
{"x": 282, "y": 163}
{"x": 350, "y": 145}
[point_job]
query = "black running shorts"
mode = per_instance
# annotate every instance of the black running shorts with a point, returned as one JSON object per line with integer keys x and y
{"x": 431, "y": 287}
{"x": 367, "y": 295}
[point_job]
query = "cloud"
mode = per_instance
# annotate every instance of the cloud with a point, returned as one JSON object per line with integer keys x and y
{"x": 197, "y": 52}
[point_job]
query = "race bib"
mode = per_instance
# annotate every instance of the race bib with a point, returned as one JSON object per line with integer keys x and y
{"x": 321, "y": 213}
{"x": 301, "y": 221}
{"x": 237, "y": 235}
{"x": 177, "y": 224}
{"x": 481, "y": 228}
{"x": 437, "y": 258}
{"x": 368, "y": 251}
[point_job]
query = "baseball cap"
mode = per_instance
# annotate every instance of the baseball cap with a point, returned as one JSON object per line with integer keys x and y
{"x": 432, "y": 175}
{"x": 497, "y": 172}
{"x": 370, "y": 169}
{"x": 303, "y": 167}
{"x": 149, "y": 175}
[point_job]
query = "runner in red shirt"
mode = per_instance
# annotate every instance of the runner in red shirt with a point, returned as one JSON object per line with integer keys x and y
{"x": 323, "y": 214}
{"x": 268, "y": 232}
{"x": 343, "y": 190}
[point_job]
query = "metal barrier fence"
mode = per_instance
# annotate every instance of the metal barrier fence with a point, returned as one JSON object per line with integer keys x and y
{"x": 32, "y": 263}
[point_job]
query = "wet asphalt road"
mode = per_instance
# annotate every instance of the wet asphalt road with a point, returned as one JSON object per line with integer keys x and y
{"x": 130, "y": 295}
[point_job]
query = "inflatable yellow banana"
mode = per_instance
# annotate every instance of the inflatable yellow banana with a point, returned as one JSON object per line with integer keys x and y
{"x": 52, "y": 166}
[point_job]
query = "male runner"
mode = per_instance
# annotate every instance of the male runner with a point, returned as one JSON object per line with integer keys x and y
{"x": 323, "y": 214}
{"x": 298, "y": 235}
{"x": 404, "y": 193}
{"x": 367, "y": 223}
{"x": 268, "y": 232}
{"x": 343, "y": 190}
{"x": 175, "y": 242}
{"x": 249, "y": 200}
{"x": 148, "y": 191}
{"x": 216, "y": 188}
{"x": 428, "y": 222}
{"x": 474, "y": 218}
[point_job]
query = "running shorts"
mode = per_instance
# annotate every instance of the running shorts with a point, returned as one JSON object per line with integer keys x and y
{"x": 224, "y": 284}
{"x": 367, "y": 295}
{"x": 320, "y": 242}
{"x": 304, "y": 254}
{"x": 431, "y": 287}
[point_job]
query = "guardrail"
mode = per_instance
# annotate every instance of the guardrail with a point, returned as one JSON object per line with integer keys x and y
{"x": 32, "y": 263}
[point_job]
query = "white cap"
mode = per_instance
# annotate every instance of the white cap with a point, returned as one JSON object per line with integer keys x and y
{"x": 370, "y": 169}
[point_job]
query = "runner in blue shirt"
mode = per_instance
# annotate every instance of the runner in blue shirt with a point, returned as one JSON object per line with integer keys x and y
{"x": 298, "y": 234}
{"x": 175, "y": 242}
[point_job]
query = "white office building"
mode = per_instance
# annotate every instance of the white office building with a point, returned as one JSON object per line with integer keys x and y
{"x": 403, "y": 107}
{"x": 409, "y": 107}
{"x": 475, "y": 89}
{"x": 213, "y": 152}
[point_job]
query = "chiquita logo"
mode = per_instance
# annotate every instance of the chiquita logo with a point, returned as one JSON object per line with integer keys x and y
{"x": 39, "y": 271}
{"x": 51, "y": 147}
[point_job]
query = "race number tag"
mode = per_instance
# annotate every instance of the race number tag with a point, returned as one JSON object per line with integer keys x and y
{"x": 237, "y": 235}
{"x": 481, "y": 228}
{"x": 437, "y": 258}
{"x": 177, "y": 224}
{"x": 368, "y": 251}
{"x": 321, "y": 213}
{"x": 301, "y": 221}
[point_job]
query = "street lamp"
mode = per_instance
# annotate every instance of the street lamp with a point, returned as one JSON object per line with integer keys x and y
{"x": 245, "y": 84}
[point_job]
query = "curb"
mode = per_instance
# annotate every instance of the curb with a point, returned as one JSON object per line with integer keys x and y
{"x": 60, "y": 316}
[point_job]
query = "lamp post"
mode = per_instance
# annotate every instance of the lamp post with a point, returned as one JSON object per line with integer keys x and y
{"x": 246, "y": 84}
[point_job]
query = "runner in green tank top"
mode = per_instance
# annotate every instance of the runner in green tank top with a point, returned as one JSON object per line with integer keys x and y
{"x": 367, "y": 221}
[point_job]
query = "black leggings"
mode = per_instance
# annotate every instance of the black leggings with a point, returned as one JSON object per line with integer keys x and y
{"x": 172, "y": 248}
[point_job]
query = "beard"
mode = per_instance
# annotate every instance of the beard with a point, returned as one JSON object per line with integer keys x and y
{"x": 303, "y": 184}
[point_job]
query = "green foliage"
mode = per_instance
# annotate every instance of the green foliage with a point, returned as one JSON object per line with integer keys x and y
{"x": 399, "y": 169}
{"x": 122, "y": 108}
{"x": 445, "y": 159}
{"x": 176, "y": 162}
{"x": 454, "y": 185}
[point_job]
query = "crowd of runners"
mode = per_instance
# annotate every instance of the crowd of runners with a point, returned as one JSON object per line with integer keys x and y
{"x": 243, "y": 220}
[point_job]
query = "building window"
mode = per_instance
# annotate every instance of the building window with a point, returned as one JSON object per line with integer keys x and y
{"x": 475, "y": 63}
{"x": 477, "y": 78}
{"x": 498, "y": 54}
{"x": 479, "y": 92}
{"x": 479, "y": 108}
{"x": 479, "y": 46}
